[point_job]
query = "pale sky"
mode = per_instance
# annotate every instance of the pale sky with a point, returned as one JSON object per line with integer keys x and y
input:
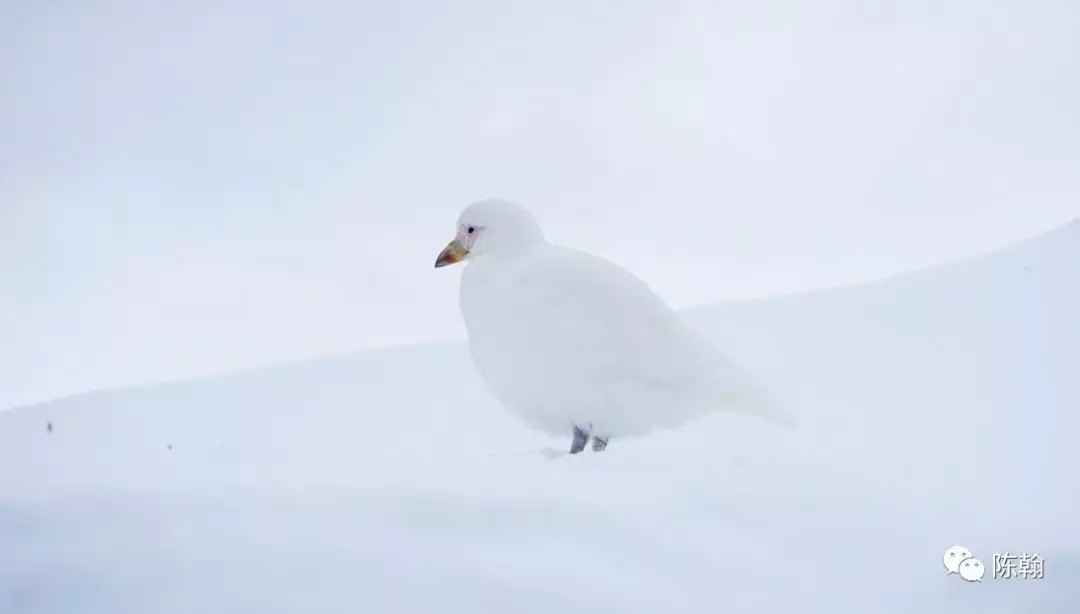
{"x": 187, "y": 188}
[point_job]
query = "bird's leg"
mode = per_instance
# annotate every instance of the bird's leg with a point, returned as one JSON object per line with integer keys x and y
{"x": 598, "y": 444}
{"x": 580, "y": 439}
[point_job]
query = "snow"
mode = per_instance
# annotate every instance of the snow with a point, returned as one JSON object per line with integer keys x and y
{"x": 935, "y": 409}
{"x": 566, "y": 339}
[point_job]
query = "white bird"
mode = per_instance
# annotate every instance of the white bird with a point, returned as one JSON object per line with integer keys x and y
{"x": 575, "y": 345}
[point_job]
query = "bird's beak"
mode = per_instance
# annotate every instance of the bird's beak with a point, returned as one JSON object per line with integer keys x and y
{"x": 453, "y": 252}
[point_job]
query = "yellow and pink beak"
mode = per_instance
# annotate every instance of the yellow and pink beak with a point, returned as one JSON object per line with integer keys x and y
{"x": 453, "y": 253}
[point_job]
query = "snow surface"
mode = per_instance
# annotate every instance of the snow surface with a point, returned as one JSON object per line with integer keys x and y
{"x": 935, "y": 409}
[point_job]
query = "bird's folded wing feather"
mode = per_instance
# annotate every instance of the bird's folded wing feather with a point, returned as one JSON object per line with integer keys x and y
{"x": 593, "y": 319}
{"x": 602, "y": 321}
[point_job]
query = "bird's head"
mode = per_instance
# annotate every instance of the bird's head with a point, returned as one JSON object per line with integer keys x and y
{"x": 491, "y": 228}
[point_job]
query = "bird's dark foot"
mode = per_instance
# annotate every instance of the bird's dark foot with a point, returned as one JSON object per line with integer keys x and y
{"x": 580, "y": 439}
{"x": 598, "y": 444}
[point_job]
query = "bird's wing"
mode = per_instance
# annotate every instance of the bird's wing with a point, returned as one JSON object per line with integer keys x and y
{"x": 606, "y": 316}
{"x": 594, "y": 322}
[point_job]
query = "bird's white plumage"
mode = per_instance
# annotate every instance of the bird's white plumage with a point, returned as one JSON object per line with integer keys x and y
{"x": 562, "y": 337}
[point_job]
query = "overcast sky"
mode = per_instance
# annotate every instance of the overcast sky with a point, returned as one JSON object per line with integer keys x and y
{"x": 193, "y": 187}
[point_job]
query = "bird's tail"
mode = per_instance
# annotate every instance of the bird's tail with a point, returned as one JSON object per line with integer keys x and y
{"x": 742, "y": 394}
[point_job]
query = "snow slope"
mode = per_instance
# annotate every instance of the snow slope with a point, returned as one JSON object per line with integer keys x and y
{"x": 935, "y": 409}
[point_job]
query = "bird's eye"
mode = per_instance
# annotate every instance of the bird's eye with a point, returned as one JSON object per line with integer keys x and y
{"x": 472, "y": 229}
